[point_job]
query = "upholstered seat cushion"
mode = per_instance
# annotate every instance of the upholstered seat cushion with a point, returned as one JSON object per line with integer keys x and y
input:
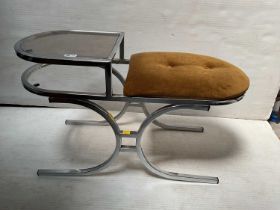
{"x": 183, "y": 75}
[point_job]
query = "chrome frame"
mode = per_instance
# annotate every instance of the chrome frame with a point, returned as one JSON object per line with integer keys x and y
{"x": 104, "y": 122}
{"x": 92, "y": 170}
{"x": 153, "y": 168}
{"x": 111, "y": 121}
{"x": 84, "y": 99}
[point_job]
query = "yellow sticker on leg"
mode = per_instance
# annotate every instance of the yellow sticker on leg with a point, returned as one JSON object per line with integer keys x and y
{"x": 126, "y": 132}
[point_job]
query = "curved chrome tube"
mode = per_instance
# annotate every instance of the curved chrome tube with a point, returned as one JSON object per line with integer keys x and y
{"x": 95, "y": 122}
{"x": 197, "y": 129}
{"x": 104, "y": 122}
{"x": 153, "y": 168}
{"x": 95, "y": 169}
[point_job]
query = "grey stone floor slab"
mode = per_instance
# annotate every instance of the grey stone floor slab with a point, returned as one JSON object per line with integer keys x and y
{"x": 244, "y": 154}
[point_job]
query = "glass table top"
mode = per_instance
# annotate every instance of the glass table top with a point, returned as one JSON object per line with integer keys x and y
{"x": 68, "y": 47}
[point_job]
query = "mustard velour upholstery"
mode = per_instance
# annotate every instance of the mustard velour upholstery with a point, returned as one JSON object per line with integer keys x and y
{"x": 183, "y": 75}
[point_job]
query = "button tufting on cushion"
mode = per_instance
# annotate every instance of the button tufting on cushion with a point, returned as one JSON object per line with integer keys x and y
{"x": 183, "y": 75}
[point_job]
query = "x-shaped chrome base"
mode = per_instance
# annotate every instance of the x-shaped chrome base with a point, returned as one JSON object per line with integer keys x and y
{"x": 119, "y": 134}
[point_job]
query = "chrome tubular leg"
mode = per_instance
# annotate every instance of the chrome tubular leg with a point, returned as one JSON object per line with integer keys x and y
{"x": 95, "y": 122}
{"x": 95, "y": 169}
{"x": 153, "y": 168}
{"x": 118, "y": 75}
{"x": 198, "y": 129}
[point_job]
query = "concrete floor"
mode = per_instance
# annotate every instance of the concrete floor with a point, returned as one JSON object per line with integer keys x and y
{"x": 242, "y": 153}
{"x": 276, "y": 128}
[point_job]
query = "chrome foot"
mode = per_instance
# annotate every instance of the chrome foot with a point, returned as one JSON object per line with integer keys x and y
{"x": 186, "y": 177}
{"x": 85, "y": 122}
{"x": 66, "y": 172}
{"x": 197, "y": 129}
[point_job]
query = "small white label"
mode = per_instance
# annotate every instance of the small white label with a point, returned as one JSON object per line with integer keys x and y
{"x": 70, "y": 55}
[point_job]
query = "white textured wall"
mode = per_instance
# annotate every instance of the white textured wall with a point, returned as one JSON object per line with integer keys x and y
{"x": 243, "y": 32}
